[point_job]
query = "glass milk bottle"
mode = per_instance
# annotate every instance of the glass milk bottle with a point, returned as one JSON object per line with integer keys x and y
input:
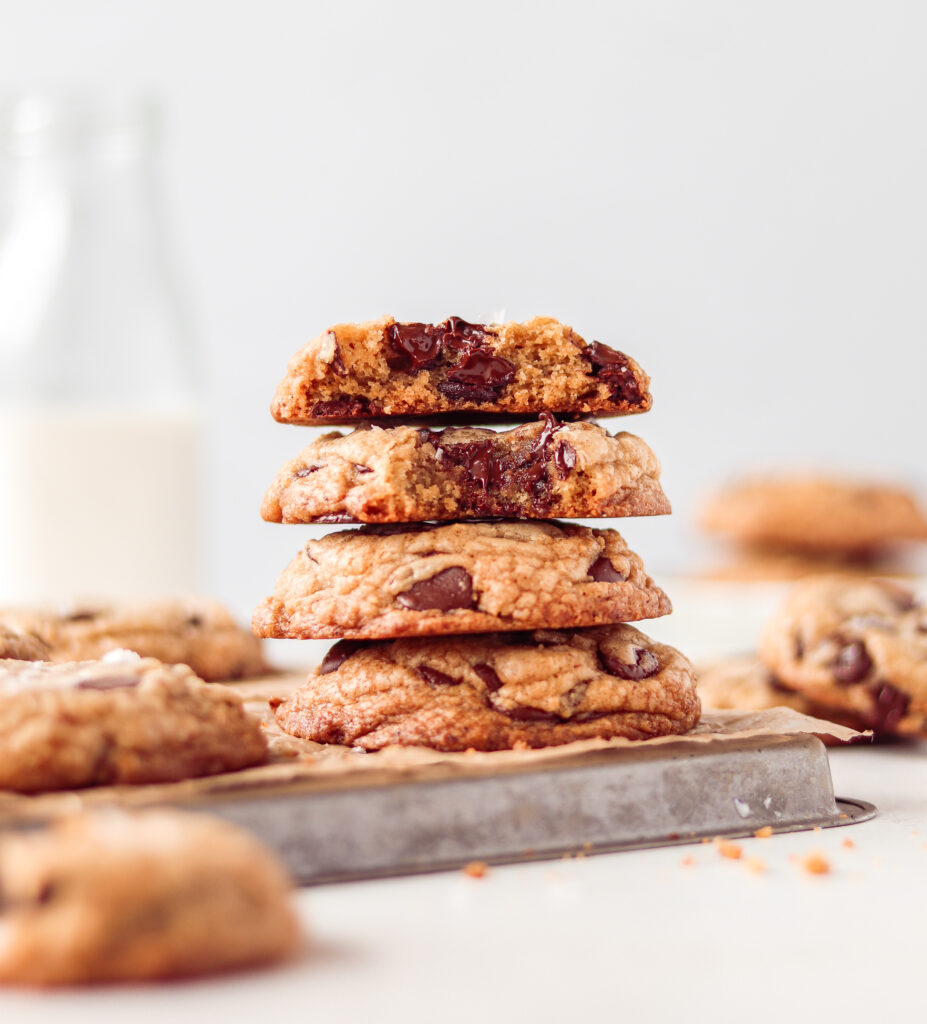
{"x": 99, "y": 404}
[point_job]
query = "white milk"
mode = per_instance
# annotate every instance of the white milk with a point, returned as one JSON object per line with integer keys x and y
{"x": 98, "y": 503}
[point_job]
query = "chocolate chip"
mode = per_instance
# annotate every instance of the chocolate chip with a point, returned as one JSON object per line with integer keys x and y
{"x": 524, "y": 714}
{"x": 82, "y": 615}
{"x": 108, "y": 683}
{"x": 489, "y": 676}
{"x": 614, "y": 368}
{"x": 413, "y": 346}
{"x": 547, "y": 432}
{"x": 336, "y": 517}
{"x": 889, "y": 706}
{"x": 565, "y": 459}
{"x": 307, "y": 471}
{"x": 478, "y": 377}
{"x": 602, "y": 571}
{"x": 852, "y": 664}
{"x": 448, "y": 589}
{"x": 645, "y": 664}
{"x": 434, "y": 677}
{"x": 338, "y": 655}
{"x": 337, "y": 362}
{"x": 341, "y": 408}
{"x": 194, "y": 621}
{"x": 358, "y": 468}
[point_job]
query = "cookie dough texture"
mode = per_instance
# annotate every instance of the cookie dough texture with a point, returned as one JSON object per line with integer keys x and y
{"x": 126, "y": 721}
{"x": 196, "y": 632}
{"x": 379, "y": 582}
{"x": 382, "y": 368}
{"x": 857, "y": 647}
{"x": 496, "y": 691}
{"x": 21, "y": 646}
{"x": 402, "y": 474}
{"x": 815, "y": 514}
{"x": 116, "y": 897}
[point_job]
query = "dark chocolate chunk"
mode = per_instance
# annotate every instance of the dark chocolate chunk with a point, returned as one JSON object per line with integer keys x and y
{"x": 478, "y": 377}
{"x": 124, "y": 682}
{"x": 82, "y": 615}
{"x": 194, "y": 621}
{"x": 337, "y": 362}
{"x": 413, "y": 346}
{"x": 526, "y": 714}
{"x": 602, "y": 571}
{"x": 451, "y": 588}
{"x": 890, "y": 705}
{"x": 614, "y": 368}
{"x": 489, "y": 676}
{"x": 358, "y": 468}
{"x": 550, "y": 425}
{"x": 307, "y": 471}
{"x": 435, "y": 677}
{"x": 852, "y": 664}
{"x": 341, "y": 408}
{"x": 565, "y": 459}
{"x": 338, "y": 655}
{"x": 645, "y": 664}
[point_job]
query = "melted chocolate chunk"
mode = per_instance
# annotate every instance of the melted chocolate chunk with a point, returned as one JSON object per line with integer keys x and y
{"x": 645, "y": 664}
{"x": 307, "y": 471}
{"x": 852, "y": 664}
{"x": 478, "y": 377}
{"x": 547, "y": 432}
{"x": 338, "y": 655}
{"x": 525, "y": 714}
{"x": 341, "y": 408}
{"x": 435, "y": 677}
{"x": 614, "y": 368}
{"x": 489, "y": 676}
{"x": 602, "y": 571}
{"x": 108, "y": 683}
{"x": 890, "y": 705}
{"x": 413, "y": 346}
{"x": 449, "y": 589}
{"x": 565, "y": 459}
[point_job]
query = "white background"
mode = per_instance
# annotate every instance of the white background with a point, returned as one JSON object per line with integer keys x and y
{"x": 734, "y": 193}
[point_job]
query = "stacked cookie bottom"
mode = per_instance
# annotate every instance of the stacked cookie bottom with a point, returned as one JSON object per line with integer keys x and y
{"x": 466, "y": 616}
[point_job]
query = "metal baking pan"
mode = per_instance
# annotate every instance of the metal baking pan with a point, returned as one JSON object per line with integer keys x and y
{"x": 620, "y": 799}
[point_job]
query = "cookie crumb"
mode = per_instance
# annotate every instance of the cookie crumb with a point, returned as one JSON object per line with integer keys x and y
{"x": 755, "y": 865}
{"x": 476, "y": 869}
{"x": 688, "y": 862}
{"x": 848, "y": 844}
{"x": 764, "y": 833}
{"x": 730, "y": 850}
{"x": 815, "y": 863}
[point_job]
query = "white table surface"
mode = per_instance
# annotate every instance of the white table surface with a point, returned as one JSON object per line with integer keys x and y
{"x": 630, "y": 936}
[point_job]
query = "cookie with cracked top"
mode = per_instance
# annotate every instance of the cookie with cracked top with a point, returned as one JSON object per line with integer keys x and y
{"x": 858, "y": 647}
{"x": 113, "y": 896}
{"x": 382, "y": 368}
{"x": 419, "y": 580}
{"x": 496, "y": 691}
{"x": 193, "y": 631}
{"x": 21, "y": 646}
{"x": 402, "y": 474}
{"x": 816, "y": 514}
{"x": 123, "y": 720}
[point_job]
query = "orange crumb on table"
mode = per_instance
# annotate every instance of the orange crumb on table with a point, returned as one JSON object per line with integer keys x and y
{"x": 476, "y": 869}
{"x": 815, "y": 863}
{"x": 763, "y": 833}
{"x": 817, "y": 828}
{"x": 755, "y": 865}
{"x": 730, "y": 850}
{"x": 688, "y": 862}
{"x": 848, "y": 844}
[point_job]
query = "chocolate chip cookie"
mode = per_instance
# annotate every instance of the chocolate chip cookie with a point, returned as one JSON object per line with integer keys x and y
{"x": 858, "y": 647}
{"x": 416, "y": 580}
{"x": 383, "y": 368}
{"x": 115, "y": 896}
{"x": 495, "y": 691}
{"x": 196, "y": 632}
{"x": 21, "y": 646}
{"x": 815, "y": 514}
{"x": 535, "y": 471}
{"x": 123, "y": 720}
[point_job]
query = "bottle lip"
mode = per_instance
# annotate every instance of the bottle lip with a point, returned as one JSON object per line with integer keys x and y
{"x": 42, "y": 122}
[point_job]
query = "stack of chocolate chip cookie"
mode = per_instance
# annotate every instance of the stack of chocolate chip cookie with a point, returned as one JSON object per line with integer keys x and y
{"x": 468, "y": 617}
